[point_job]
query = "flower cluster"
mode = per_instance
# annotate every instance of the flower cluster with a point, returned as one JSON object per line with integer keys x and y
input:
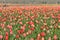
{"x": 30, "y": 23}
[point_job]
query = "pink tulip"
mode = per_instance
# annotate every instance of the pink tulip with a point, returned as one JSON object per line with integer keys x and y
{"x": 29, "y": 31}
{"x": 31, "y": 23}
{"x": 11, "y": 32}
{"x": 24, "y": 34}
{"x": 20, "y": 23}
{"x": 55, "y": 37}
{"x": 9, "y": 26}
{"x": 17, "y": 36}
{"x": 38, "y": 38}
{"x": 42, "y": 38}
{"x": 1, "y": 36}
{"x": 2, "y": 25}
{"x": 32, "y": 39}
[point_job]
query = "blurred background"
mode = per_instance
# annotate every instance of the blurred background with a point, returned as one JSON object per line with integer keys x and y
{"x": 30, "y": 1}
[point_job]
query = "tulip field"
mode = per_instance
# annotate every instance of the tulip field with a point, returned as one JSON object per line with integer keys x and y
{"x": 30, "y": 23}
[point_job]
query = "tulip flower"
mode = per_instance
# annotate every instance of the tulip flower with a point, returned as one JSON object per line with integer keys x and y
{"x": 20, "y": 23}
{"x": 17, "y": 23}
{"x": 32, "y": 39}
{"x": 32, "y": 28}
{"x": 38, "y": 37}
{"x": 43, "y": 34}
{"x": 9, "y": 26}
{"x": 4, "y": 19}
{"x": 11, "y": 32}
{"x": 17, "y": 36}
{"x": 20, "y": 31}
{"x": 6, "y": 37}
{"x": 2, "y": 25}
{"x": 55, "y": 37}
{"x": 24, "y": 34}
{"x": 31, "y": 23}
{"x": 42, "y": 38}
{"x": 1, "y": 36}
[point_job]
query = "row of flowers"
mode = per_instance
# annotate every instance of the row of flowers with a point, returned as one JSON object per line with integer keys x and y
{"x": 30, "y": 23}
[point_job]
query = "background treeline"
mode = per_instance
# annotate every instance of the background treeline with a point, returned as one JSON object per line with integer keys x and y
{"x": 31, "y": 1}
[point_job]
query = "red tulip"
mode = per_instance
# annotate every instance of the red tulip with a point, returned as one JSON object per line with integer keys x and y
{"x": 29, "y": 26}
{"x": 6, "y": 33}
{"x": 32, "y": 39}
{"x": 31, "y": 23}
{"x": 23, "y": 28}
{"x": 9, "y": 26}
{"x": 42, "y": 34}
{"x": 20, "y": 31}
{"x": 0, "y": 9}
{"x": 32, "y": 17}
{"x": 4, "y": 19}
{"x": 58, "y": 16}
{"x": 20, "y": 12}
{"x": 32, "y": 28}
{"x": 24, "y": 34}
{"x": 55, "y": 37}
{"x": 53, "y": 16}
{"x": 58, "y": 20}
{"x": 11, "y": 32}
{"x": 38, "y": 37}
{"x": 1, "y": 36}
{"x": 6, "y": 37}
{"x": 2, "y": 25}
{"x": 17, "y": 36}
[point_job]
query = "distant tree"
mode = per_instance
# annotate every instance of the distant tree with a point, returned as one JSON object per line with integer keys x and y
{"x": 58, "y": 2}
{"x": 44, "y": 2}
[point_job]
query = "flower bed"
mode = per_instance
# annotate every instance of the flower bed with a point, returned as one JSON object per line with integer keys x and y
{"x": 30, "y": 23}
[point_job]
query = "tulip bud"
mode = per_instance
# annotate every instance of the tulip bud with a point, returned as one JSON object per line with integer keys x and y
{"x": 42, "y": 38}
